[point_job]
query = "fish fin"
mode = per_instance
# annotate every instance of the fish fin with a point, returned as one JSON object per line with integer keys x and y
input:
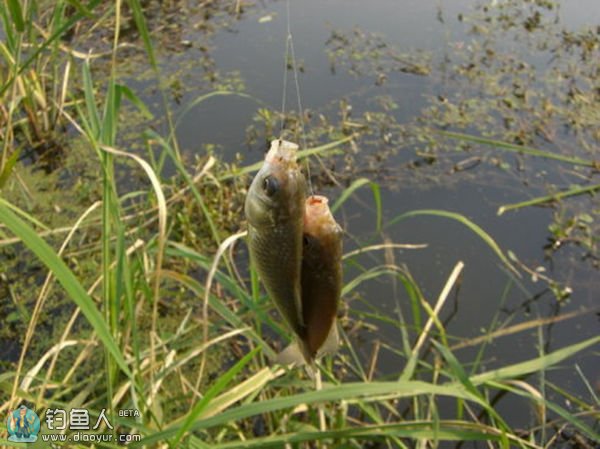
{"x": 311, "y": 370}
{"x": 332, "y": 342}
{"x": 296, "y": 354}
{"x": 291, "y": 355}
{"x": 298, "y": 303}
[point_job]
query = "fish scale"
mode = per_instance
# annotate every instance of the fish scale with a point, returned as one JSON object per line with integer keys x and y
{"x": 274, "y": 253}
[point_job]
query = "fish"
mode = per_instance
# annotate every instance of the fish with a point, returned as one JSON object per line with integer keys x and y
{"x": 274, "y": 209}
{"x": 322, "y": 276}
{"x": 321, "y": 284}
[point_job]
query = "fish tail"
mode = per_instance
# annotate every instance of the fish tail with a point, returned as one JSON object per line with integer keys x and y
{"x": 297, "y": 353}
{"x": 294, "y": 356}
{"x": 331, "y": 343}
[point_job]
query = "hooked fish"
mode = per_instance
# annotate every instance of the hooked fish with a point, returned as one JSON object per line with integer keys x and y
{"x": 321, "y": 279}
{"x": 321, "y": 283}
{"x": 275, "y": 211}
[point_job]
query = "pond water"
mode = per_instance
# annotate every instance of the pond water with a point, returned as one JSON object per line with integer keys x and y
{"x": 254, "y": 47}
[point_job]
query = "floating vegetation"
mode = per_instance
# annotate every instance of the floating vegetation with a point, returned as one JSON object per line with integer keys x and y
{"x": 364, "y": 53}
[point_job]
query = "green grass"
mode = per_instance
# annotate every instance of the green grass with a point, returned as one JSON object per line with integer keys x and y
{"x": 173, "y": 326}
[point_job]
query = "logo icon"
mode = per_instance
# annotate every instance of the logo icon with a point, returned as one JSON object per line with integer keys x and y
{"x": 23, "y": 425}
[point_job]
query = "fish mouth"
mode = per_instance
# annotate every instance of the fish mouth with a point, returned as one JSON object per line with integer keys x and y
{"x": 318, "y": 219}
{"x": 317, "y": 201}
{"x": 283, "y": 152}
{"x": 317, "y": 212}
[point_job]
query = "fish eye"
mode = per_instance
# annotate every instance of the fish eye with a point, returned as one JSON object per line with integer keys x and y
{"x": 270, "y": 185}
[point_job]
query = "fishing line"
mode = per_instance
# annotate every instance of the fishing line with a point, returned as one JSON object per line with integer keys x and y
{"x": 290, "y": 57}
{"x": 285, "y": 76}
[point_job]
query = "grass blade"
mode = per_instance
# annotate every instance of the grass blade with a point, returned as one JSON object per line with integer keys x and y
{"x": 17, "y": 15}
{"x": 90, "y": 101}
{"x": 192, "y": 104}
{"x": 349, "y": 392}
{"x": 8, "y": 166}
{"x": 411, "y": 364}
{"x": 548, "y": 198}
{"x": 447, "y": 431}
{"x": 352, "y": 188}
{"x": 135, "y": 100}
{"x": 24, "y": 214}
{"x": 461, "y": 219}
{"x": 515, "y": 148}
{"x": 140, "y": 22}
{"x": 461, "y": 375}
{"x": 533, "y": 365}
{"x": 213, "y": 391}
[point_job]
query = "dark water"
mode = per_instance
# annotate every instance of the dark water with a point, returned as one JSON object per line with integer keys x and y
{"x": 487, "y": 291}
